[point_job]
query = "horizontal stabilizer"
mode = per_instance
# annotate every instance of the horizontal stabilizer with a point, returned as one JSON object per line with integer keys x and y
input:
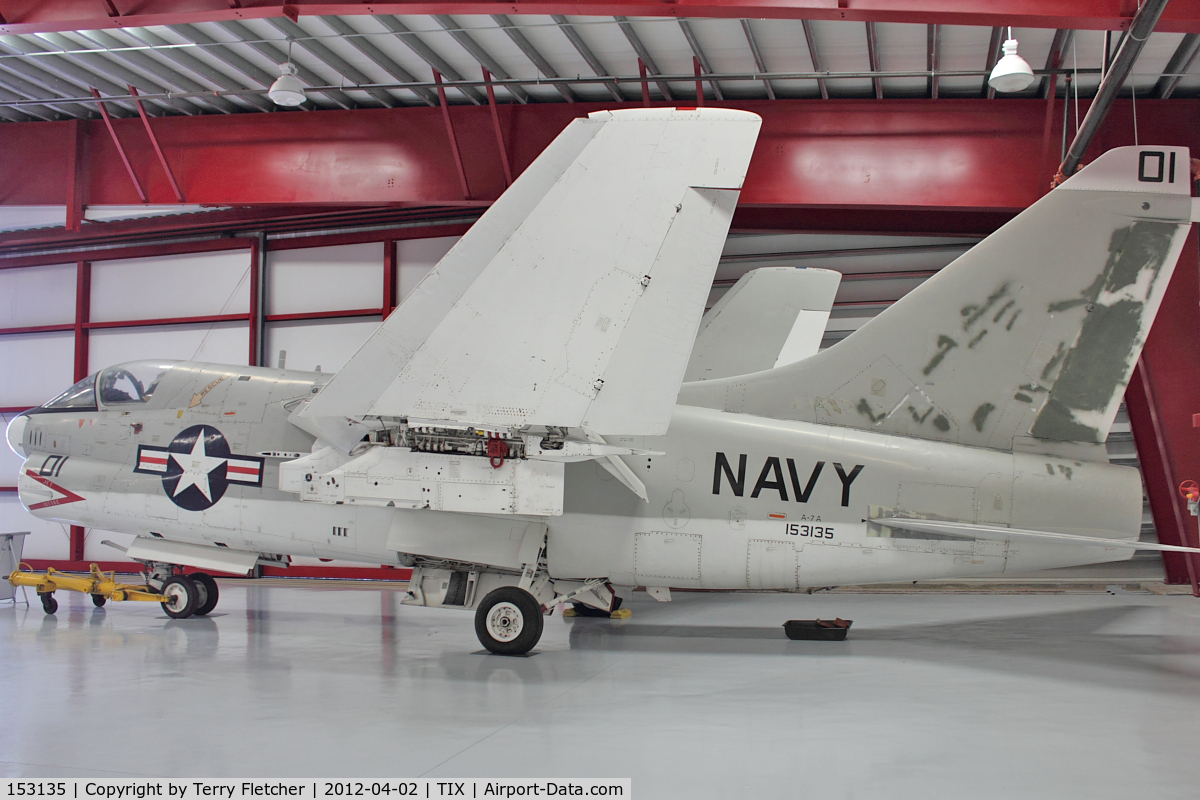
{"x": 574, "y": 300}
{"x": 973, "y": 531}
{"x": 772, "y": 316}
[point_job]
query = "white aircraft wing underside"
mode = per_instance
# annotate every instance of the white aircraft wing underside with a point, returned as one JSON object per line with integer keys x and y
{"x": 574, "y": 301}
{"x": 975, "y": 531}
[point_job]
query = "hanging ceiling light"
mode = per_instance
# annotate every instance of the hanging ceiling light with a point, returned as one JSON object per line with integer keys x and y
{"x": 1011, "y": 73}
{"x": 287, "y": 89}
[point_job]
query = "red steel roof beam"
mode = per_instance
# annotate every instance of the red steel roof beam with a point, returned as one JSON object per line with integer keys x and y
{"x": 69, "y": 15}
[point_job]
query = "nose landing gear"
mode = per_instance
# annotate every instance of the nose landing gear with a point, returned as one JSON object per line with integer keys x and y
{"x": 187, "y": 595}
{"x": 181, "y": 596}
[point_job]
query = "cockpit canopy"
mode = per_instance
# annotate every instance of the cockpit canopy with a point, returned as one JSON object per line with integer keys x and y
{"x": 123, "y": 384}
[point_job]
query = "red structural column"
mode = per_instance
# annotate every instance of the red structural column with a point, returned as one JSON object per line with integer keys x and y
{"x": 258, "y": 260}
{"x": 1162, "y": 395}
{"x": 76, "y": 176}
{"x": 83, "y": 303}
{"x": 389, "y": 277}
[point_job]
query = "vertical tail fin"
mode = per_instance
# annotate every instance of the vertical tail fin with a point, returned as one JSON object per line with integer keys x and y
{"x": 1029, "y": 337}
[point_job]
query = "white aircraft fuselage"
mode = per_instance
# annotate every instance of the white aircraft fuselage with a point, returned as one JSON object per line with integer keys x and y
{"x": 735, "y": 502}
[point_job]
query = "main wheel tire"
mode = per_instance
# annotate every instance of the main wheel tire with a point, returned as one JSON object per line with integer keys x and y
{"x": 209, "y": 594}
{"x": 98, "y": 600}
{"x": 49, "y": 604}
{"x": 509, "y": 621}
{"x": 184, "y": 596}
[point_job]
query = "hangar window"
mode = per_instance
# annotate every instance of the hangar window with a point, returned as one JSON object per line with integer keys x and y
{"x": 134, "y": 382}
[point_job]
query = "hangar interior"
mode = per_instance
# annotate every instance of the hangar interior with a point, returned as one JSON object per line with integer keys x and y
{"x": 156, "y": 203}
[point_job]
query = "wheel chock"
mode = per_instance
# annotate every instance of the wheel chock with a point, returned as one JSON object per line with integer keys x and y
{"x": 620, "y": 613}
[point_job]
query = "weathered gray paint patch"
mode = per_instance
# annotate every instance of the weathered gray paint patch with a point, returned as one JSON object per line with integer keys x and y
{"x": 973, "y": 313}
{"x": 941, "y": 423}
{"x": 864, "y": 408}
{"x": 1094, "y": 370}
{"x": 1144, "y": 247}
{"x": 981, "y": 415}
{"x": 1095, "y": 367}
{"x": 1006, "y": 307}
{"x": 1053, "y": 362}
{"x": 945, "y": 344}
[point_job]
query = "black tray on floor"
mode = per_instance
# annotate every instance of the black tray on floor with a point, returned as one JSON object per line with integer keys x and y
{"x": 819, "y": 630}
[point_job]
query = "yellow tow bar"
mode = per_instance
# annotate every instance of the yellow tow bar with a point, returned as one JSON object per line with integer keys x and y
{"x": 101, "y": 586}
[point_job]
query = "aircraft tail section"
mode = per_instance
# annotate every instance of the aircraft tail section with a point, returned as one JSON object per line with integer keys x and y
{"x": 574, "y": 300}
{"x": 1026, "y": 341}
{"x": 772, "y": 316}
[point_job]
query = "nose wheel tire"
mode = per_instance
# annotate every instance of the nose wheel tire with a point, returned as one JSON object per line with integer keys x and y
{"x": 98, "y": 600}
{"x": 183, "y": 594}
{"x": 208, "y": 593}
{"x": 49, "y": 604}
{"x": 509, "y": 621}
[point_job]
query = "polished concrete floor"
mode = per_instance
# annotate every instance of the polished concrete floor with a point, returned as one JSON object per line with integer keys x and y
{"x": 1079, "y": 695}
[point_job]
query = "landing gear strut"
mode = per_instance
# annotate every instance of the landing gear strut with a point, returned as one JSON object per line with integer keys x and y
{"x": 509, "y": 621}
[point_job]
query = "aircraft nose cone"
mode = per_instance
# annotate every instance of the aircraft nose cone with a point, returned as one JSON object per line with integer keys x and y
{"x": 16, "y": 434}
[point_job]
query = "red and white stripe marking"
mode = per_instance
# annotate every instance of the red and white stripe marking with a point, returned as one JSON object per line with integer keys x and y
{"x": 240, "y": 470}
{"x": 152, "y": 460}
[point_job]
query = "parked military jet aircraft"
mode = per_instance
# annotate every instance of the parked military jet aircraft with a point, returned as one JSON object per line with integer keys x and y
{"x": 520, "y": 434}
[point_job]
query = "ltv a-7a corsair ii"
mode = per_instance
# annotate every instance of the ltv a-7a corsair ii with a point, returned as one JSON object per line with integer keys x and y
{"x": 520, "y": 432}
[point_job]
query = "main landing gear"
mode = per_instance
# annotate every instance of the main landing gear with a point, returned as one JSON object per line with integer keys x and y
{"x": 509, "y": 621}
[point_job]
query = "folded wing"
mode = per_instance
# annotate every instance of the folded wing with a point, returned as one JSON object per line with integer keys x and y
{"x": 574, "y": 301}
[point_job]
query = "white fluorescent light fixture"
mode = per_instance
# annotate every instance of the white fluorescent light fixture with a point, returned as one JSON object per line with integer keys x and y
{"x": 287, "y": 89}
{"x": 1011, "y": 73}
